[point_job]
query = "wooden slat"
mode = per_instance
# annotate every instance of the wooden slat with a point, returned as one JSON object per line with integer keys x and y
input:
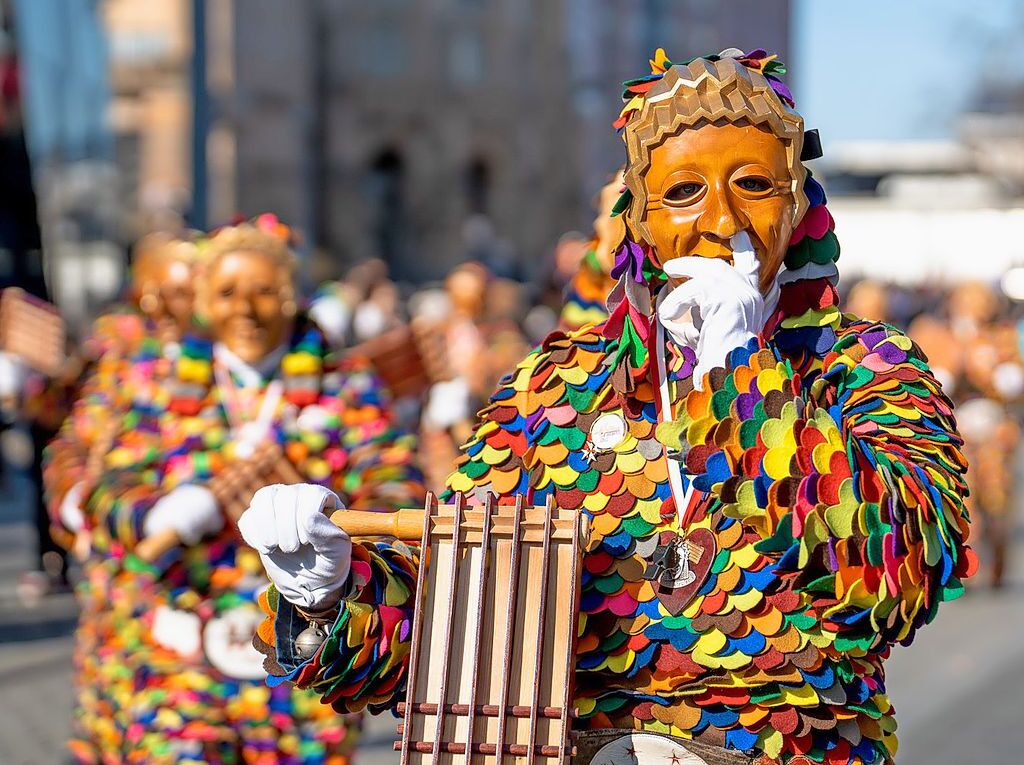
{"x": 429, "y": 508}
{"x": 510, "y": 629}
{"x": 481, "y": 601}
{"x": 570, "y": 657}
{"x": 442, "y": 694}
{"x": 538, "y": 664}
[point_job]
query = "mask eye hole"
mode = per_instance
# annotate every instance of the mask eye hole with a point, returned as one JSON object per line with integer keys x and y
{"x": 755, "y": 185}
{"x": 684, "y": 193}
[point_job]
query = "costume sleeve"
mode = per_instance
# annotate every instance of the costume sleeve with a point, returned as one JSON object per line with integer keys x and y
{"x": 128, "y": 486}
{"x": 87, "y": 435}
{"x": 364, "y": 659}
{"x": 128, "y": 480}
{"x": 857, "y": 484}
{"x": 66, "y": 456}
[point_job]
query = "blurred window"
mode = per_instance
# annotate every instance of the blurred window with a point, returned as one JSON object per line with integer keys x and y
{"x": 383, "y": 49}
{"x": 386, "y": 203}
{"x": 478, "y": 183}
{"x": 466, "y": 58}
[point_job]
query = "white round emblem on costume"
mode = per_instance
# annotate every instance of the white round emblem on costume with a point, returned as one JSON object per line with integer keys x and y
{"x": 227, "y": 642}
{"x": 608, "y": 431}
{"x": 645, "y": 748}
{"x": 179, "y": 631}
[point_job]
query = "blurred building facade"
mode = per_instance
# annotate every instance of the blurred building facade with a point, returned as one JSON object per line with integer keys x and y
{"x": 150, "y": 47}
{"x": 383, "y": 129}
{"x": 64, "y": 95}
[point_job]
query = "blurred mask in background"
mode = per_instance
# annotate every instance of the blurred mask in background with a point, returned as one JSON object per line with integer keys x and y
{"x": 163, "y": 279}
{"x": 247, "y": 294}
{"x": 609, "y": 230}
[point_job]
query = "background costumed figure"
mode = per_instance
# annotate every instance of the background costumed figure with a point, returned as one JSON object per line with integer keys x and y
{"x": 110, "y": 595}
{"x": 775, "y": 488}
{"x": 198, "y": 430}
{"x": 587, "y": 294}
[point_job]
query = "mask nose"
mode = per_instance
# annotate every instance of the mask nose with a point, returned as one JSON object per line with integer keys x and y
{"x": 720, "y": 221}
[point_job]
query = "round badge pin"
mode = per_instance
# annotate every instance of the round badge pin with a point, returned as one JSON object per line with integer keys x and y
{"x": 608, "y": 431}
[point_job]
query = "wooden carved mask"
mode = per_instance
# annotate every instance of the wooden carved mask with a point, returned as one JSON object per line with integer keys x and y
{"x": 705, "y": 184}
{"x": 245, "y": 304}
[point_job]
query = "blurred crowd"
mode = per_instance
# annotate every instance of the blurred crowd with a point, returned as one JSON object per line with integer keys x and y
{"x": 441, "y": 349}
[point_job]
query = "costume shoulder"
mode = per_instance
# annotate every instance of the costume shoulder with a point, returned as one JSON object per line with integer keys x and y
{"x": 540, "y": 414}
{"x": 874, "y": 355}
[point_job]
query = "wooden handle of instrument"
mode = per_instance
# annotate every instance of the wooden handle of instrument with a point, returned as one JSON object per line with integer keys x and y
{"x": 153, "y": 547}
{"x": 406, "y": 525}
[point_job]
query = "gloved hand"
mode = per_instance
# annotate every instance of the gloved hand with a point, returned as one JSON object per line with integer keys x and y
{"x": 724, "y": 301}
{"x": 70, "y": 509}
{"x": 333, "y": 316}
{"x": 306, "y": 556}
{"x": 447, "y": 404}
{"x": 191, "y": 511}
{"x": 13, "y": 373}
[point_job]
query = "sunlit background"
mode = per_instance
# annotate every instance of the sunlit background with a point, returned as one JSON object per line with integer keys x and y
{"x": 428, "y": 132}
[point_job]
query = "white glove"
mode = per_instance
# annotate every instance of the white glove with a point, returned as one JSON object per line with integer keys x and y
{"x": 724, "y": 301}
{"x": 191, "y": 511}
{"x": 13, "y": 373}
{"x": 306, "y": 556}
{"x": 70, "y": 509}
{"x": 332, "y": 316}
{"x": 447, "y": 404}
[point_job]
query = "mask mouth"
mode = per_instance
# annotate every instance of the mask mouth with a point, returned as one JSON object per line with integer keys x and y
{"x": 713, "y": 250}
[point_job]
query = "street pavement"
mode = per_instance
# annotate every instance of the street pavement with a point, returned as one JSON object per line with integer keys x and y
{"x": 959, "y": 691}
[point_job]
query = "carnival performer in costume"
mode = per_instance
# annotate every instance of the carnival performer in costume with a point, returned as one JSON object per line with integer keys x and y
{"x": 586, "y": 294}
{"x": 776, "y": 488}
{"x": 195, "y": 427}
{"x": 976, "y": 356}
{"x": 144, "y": 332}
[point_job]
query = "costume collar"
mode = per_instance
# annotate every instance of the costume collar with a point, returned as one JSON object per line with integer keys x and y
{"x": 250, "y": 375}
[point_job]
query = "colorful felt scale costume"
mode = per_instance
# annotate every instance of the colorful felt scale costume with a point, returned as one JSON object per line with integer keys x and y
{"x": 110, "y": 595}
{"x": 824, "y": 521}
{"x": 181, "y": 682}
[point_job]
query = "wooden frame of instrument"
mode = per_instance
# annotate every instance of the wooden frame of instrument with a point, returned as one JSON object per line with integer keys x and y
{"x": 33, "y": 330}
{"x": 494, "y": 634}
{"x": 409, "y": 359}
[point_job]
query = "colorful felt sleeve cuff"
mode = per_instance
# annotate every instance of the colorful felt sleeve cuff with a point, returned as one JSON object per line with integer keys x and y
{"x": 855, "y": 482}
{"x": 63, "y": 466}
{"x": 117, "y": 508}
{"x": 363, "y": 661}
